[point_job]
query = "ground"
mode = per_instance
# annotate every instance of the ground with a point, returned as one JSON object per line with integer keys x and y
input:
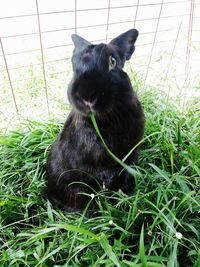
{"x": 158, "y": 226}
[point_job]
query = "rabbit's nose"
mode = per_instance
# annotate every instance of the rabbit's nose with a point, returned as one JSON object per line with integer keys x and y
{"x": 88, "y": 94}
{"x": 89, "y": 104}
{"x": 88, "y": 99}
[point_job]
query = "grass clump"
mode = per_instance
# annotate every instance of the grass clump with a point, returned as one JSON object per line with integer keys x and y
{"x": 158, "y": 226}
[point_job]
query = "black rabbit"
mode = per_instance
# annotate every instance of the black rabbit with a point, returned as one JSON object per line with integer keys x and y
{"x": 78, "y": 163}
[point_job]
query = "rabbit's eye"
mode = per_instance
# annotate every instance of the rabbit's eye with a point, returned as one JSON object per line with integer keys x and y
{"x": 112, "y": 62}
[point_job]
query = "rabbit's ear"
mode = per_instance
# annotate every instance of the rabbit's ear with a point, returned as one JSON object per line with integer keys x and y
{"x": 125, "y": 43}
{"x": 79, "y": 42}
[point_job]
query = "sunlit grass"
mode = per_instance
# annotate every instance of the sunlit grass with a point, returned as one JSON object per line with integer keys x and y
{"x": 158, "y": 226}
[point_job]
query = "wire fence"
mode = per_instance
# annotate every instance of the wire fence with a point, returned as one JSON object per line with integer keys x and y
{"x": 35, "y": 47}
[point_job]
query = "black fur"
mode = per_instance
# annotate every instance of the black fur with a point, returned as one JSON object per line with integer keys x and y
{"x": 78, "y": 163}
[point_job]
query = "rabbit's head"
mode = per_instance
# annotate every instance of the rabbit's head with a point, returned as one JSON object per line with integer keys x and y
{"x": 98, "y": 73}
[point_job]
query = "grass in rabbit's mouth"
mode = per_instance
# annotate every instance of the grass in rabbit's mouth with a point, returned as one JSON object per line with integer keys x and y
{"x": 158, "y": 226}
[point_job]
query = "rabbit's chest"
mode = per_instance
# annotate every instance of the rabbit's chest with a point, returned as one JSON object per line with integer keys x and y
{"x": 81, "y": 147}
{"x": 88, "y": 146}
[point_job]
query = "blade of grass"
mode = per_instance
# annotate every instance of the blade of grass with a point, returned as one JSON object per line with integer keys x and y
{"x": 142, "y": 249}
{"x": 108, "y": 250}
{"x": 138, "y": 144}
{"x": 125, "y": 166}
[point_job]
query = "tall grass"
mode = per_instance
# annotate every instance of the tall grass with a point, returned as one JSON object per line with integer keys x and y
{"x": 158, "y": 226}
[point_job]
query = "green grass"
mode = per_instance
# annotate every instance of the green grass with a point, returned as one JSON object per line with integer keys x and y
{"x": 136, "y": 231}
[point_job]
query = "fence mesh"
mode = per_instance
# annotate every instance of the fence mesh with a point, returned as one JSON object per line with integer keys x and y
{"x": 35, "y": 48}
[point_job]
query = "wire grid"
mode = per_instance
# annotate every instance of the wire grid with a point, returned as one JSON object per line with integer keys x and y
{"x": 7, "y": 68}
